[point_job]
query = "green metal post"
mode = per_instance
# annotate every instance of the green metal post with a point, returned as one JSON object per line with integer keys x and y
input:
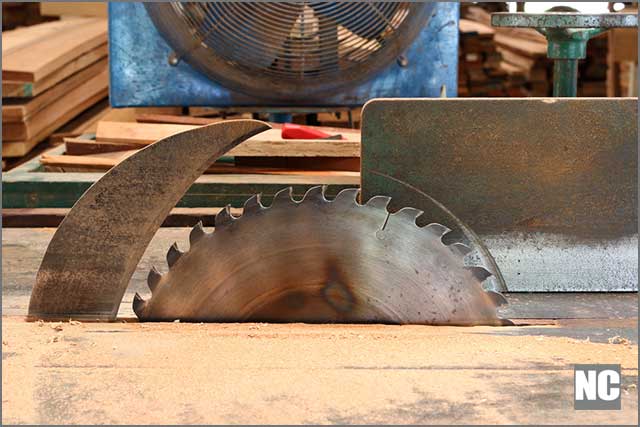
{"x": 565, "y": 77}
{"x": 567, "y": 33}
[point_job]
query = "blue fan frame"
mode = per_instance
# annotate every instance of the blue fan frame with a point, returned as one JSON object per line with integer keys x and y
{"x": 141, "y": 75}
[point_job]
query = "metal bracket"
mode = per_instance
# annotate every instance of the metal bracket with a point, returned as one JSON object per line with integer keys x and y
{"x": 567, "y": 33}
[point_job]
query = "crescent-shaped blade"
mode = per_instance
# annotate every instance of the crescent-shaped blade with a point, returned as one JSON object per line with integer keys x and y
{"x": 95, "y": 250}
{"x": 322, "y": 261}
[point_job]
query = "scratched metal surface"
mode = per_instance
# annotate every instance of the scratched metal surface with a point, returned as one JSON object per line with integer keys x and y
{"x": 141, "y": 75}
{"x": 549, "y": 184}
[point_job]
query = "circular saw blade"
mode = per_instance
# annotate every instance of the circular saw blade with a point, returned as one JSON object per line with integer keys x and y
{"x": 321, "y": 261}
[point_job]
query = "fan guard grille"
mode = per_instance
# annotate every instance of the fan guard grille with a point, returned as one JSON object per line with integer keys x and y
{"x": 289, "y": 50}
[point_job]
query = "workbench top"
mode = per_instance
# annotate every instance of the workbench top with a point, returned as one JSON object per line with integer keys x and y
{"x": 178, "y": 373}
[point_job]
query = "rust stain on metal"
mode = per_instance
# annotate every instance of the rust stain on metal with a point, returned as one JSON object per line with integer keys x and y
{"x": 322, "y": 261}
{"x": 96, "y": 248}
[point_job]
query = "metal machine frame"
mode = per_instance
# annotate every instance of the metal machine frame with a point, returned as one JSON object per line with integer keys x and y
{"x": 142, "y": 76}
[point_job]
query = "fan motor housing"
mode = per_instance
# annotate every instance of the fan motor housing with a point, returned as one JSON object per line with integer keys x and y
{"x": 308, "y": 54}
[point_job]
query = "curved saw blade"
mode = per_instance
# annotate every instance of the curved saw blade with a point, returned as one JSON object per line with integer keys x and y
{"x": 96, "y": 248}
{"x": 320, "y": 261}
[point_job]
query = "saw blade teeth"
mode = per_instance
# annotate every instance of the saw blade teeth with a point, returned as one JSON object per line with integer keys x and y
{"x": 252, "y": 205}
{"x": 153, "y": 278}
{"x": 224, "y": 217}
{"x": 284, "y": 196}
{"x": 138, "y": 305}
{"x": 408, "y": 214}
{"x": 197, "y": 233}
{"x": 460, "y": 249}
{"x": 378, "y": 228}
{"x": 315, "y": 194}
{"x": 347, "y": 197}
{"x": 497, "y": 298}
{"x": 438, "y": 230}
{"x": 173, "y": 255}
{"x": 379, "y": 202}
{"x": 479, "y": 273}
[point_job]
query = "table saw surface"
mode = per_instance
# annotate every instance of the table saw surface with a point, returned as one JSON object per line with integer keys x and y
{"x": 175, "y": 373}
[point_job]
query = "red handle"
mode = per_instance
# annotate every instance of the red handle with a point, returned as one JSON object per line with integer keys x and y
{"x": 293, "y": 131}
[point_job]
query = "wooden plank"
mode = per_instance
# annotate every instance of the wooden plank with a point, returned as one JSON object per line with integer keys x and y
{"x": 20, "y": 148}
{"x": 516, "y": 59}
{"x": 82, "y": 146}
{"x": 531, "y": 49}
{"x": 175, "y": 119}
{"x": 55, "y": 111}
{"x": 302, "y": 163}
{"x": 265, "y": 144}
{"x": 105, "y": 161}
{"x": 20, "y": 110}
{"x": 40, "y": 57}
{"x": 20, "y": 37}
{"x": 512, "y": 70}
{"x": 623, "y": 44}
{"x": 472, "y": 27}
{"x": 85, "y": 123}
{"x": 81, "y": 8}
{"x": 28, "y": 89}
{"x": 83, "y": 163}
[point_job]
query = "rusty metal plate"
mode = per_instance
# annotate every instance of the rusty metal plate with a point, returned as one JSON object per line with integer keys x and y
{"x": 95, "y": 250}
{"x": 550, "y": 184}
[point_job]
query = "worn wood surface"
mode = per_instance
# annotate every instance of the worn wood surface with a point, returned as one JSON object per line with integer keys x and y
{"x": 177, "y": 373}
{"x": 83, "y": 146}
{"x": 30, "y": 58}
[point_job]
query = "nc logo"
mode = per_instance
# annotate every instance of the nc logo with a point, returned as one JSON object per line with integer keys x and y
{"x": 596, "y": 387}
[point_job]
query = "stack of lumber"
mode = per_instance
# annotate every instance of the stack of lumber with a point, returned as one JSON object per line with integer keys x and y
{"x": 51, "y": 73}
{"x": 265, "y": 153}
{"x": 521, "y": 54}
{"x": 527, "y": 51}
{"x": 481, "y": 70}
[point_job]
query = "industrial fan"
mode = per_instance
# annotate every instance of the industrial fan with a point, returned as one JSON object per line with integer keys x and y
{"x": 280, "y": 53}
